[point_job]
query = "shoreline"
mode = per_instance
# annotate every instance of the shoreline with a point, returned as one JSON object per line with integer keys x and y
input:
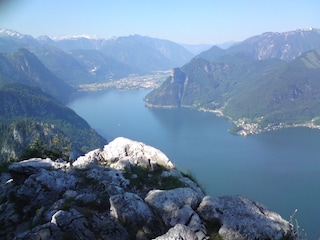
{"x": 244, "y": 128}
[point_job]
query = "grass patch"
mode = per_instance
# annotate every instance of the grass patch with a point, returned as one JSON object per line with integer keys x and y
{"x": 170, "y": 182}
{"x": 141, "y": 177}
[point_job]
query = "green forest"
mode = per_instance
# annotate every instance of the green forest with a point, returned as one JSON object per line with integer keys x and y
{"x": 30, "y": 117}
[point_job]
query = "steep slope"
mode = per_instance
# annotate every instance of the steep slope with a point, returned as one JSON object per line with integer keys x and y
{"x": 257, "y": 95}
{"x": 24, "y": 67}
{"x": 289, "y": 95}
{"x": 204, "y": 85}
{"x": 28, "y": 114}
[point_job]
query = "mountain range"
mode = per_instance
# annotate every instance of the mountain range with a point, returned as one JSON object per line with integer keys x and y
{"x": 98, "y": 60}
{"x": 265, "y": 82}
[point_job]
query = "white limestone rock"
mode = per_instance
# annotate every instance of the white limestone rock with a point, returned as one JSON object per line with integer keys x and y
{"x": 242, "y": 218}
{"x": 89, "y": 160}
{"x": 121, "y": 153}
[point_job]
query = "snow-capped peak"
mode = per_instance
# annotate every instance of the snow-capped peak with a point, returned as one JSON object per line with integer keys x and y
{"x": 10, "y": 33}
{"x": 65, "y": 37}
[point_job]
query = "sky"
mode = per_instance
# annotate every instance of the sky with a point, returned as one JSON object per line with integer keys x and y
{"x": 181, "y": 21}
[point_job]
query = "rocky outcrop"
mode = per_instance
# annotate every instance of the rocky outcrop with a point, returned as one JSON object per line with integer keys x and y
{"x": 127, "y": 190}
{"x": 242, "y": 218}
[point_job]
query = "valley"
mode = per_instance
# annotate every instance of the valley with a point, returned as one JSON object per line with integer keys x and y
{"x": 267, "y": 86}
{"x": 131, "y": 82}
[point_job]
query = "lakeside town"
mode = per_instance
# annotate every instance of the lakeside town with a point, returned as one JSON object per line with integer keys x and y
{"x": 132, "y": 82}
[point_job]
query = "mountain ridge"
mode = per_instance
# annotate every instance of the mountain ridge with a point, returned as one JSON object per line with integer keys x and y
{"x": 256, "y": 93}
{"x": 122, "y": 56}
{"x": 285, "y": 46}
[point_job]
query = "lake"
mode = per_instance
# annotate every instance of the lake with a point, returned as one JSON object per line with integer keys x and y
{"x": 280, "y": 169}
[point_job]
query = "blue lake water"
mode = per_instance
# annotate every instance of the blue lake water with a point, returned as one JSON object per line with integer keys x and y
{"x": 279, "y": 169}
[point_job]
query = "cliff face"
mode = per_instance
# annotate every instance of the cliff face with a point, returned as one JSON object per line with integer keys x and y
{"x": 127, "y": 190}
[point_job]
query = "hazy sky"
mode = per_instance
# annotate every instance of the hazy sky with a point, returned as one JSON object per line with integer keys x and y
{"x": 182, "y": 21}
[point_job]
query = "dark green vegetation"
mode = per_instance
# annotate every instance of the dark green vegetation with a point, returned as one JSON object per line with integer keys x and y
{"x": 253, "y": 86}
{"x": 29, "y": 117}
{"x": 141, "y": 177}
{"x": 24, "y": 67}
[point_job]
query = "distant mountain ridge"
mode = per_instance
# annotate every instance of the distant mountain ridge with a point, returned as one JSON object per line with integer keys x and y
{"x": 118, "y": 57}
{"x": 285, "y": 46}
{"x": 265, "y": 82}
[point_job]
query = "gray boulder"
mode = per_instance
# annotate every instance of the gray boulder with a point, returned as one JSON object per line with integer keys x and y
{"x": 132, "y": 211}
{"x": 130, "y": 208}
{"x": 108, "y": 179}
{"x": 21, "y": 170}
{"x": 180, "y": 232}
{"x": 32, "y": 165}
{"x": 108, "y": 228}
{"x": 241, "y": 218}
{"x": 72, "y": 223}
{"x": 176, "y": 206}
{"x": 39, "y": 185}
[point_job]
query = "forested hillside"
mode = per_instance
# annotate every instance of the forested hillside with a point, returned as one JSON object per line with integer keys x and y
{"x": 24, "y": 67}
{"x": 28, "y": 116}
{"x": 256, "y": 93}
